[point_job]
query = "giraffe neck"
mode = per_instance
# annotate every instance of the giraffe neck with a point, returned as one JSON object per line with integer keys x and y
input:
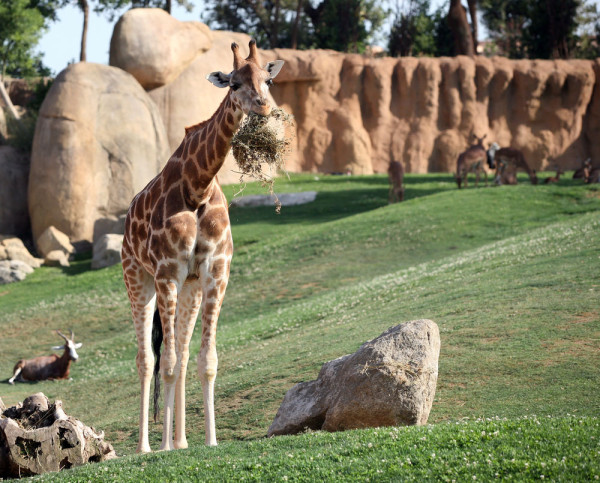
{"x": 205, "y": 147}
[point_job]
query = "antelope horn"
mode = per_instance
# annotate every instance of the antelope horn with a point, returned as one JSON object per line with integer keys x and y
{"x": 253, "y": 51}
{"x": 72, "y": 334}
{"x": 62, "y": 335}
{"x": 237, "y": 58}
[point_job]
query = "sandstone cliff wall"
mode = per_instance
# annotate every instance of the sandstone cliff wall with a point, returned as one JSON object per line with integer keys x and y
{"x": 358, "y": 113}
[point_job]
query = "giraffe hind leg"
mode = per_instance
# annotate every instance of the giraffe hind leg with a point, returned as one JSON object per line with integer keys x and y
{"x": 140, "y": 289}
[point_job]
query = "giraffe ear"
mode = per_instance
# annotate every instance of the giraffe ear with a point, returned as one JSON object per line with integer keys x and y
{"x": 274, "y": 67}
{"x": 219, "y": 79}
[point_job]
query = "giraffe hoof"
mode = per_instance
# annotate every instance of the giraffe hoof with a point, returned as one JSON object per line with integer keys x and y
{"x": 180, "y": 444}
{"x": 143, "y": 449}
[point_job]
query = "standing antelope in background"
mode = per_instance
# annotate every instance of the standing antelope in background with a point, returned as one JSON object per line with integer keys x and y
{"x": 48, "y": 367}
{"x": 473, "y": 159}
{"x": 583, "y": 171}
{"x": 177, "y": 250}
{"x": 396, "y": 178}
{"x": 508, "y": 161}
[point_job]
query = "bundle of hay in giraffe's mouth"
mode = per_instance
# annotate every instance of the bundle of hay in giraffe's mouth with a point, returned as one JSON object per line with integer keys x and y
{"x": 261, "y": 140}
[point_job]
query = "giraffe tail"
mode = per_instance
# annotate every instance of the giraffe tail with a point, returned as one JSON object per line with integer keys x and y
{"x": 157, "y": 337}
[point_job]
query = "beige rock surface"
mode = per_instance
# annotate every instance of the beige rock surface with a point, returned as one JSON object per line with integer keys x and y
{"x": 13, "y": 248}
{"x": 388, "y": 381}
{"x": 99, "y": 139}
{"x": 52, "y": 239}
{"x": 359, "y": 113}
{"x": 155, "y": 47}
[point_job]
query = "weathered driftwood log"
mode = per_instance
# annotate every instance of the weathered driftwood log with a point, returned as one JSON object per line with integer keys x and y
{"x": 37, "y": 437}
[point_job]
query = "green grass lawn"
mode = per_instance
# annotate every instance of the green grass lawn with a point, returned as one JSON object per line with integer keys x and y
{"x": 510, "y": 274}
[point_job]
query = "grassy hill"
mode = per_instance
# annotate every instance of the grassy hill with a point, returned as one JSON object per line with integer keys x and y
{"x": 510, "y": 274}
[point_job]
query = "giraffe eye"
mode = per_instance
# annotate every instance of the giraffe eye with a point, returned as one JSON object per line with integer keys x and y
{"x": 269, "y": 82}
{"x": 235, "y": 87}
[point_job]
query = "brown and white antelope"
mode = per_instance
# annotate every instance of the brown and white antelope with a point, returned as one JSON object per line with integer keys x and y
{"x": 583, "y": 171}
{"x": 48, "y": 367}
{"x": 472, "y": 160}
{"x": 592, "y": 174}
{"x": 508, "y": 161}
{"x": 396, "y": 178}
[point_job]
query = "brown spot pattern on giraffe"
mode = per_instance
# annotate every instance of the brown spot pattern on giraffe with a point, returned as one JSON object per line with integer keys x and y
{"x": 160, "y": 245}
{"x": 174, "y": 201}
{"x": 194, "y": 143}
{"x": 212, "y": 226}
{"x": 171, "y": 173}
{"x": 167, "y": 271}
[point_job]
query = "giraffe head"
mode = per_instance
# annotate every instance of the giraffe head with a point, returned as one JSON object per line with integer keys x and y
{"x": 249, "y": 82}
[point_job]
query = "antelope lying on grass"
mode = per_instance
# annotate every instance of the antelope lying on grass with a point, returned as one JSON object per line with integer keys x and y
{"x": 508, "y": 161}
{"x": 47, "y": 367}
{"x": 396, "y": 176}
{"x": 554, "y": 179}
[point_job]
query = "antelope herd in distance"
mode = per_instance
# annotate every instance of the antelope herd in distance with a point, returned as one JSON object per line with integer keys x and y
{"x": 504, "y": 161}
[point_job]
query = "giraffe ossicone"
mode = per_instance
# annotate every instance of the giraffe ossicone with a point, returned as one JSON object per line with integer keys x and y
{"x": 177, "y": 250}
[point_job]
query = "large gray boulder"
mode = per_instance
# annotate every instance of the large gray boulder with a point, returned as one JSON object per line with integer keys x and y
{"x": 99, "y": 139}
{"x": 107, "y": 251}
{"x": 389, "y": 381}
{"x": 154, "y": 47}
{"x": 14, "y": 215}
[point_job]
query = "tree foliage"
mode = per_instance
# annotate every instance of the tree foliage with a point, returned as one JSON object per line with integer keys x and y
{"x": 537, "y": 28}
{"x": 344, "y": 25}
{"x": 21, "y": 26}
{"x": 417, "y": 32}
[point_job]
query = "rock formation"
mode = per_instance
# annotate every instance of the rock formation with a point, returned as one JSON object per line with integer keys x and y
{"x": 389, "y": 381}
{"x": 155, "y": 47}
{"x": 107, "y": 251}
{"x": 359, "y": 112}
{"x": 52, "y": 239}
{"x": 99, "y": 139}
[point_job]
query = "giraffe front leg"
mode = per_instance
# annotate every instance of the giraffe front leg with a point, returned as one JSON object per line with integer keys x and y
{"x": 187, "y": 311}
{"x": 170, "y": 363}
{"x": 207, "y": 358}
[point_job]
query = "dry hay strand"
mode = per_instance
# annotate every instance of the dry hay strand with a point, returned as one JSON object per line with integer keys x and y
{"x": 261, "y": 140}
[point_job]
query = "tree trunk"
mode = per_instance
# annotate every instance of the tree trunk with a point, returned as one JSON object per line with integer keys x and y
{"x": 6, "y": 98}
{"x": 168, "y": 6}
{"x": 83, "y": 4}
{"x": 275, "y": 26}
{"x": 474, "y": 23}
{"x": 295, "y": 26}
{"x": 459, "y": 25}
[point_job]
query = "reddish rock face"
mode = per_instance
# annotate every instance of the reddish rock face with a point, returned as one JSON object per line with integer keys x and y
{"x": 359, "y": 113}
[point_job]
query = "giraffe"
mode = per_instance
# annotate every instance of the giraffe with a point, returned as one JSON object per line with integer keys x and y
{"x": 177, "y": 250}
